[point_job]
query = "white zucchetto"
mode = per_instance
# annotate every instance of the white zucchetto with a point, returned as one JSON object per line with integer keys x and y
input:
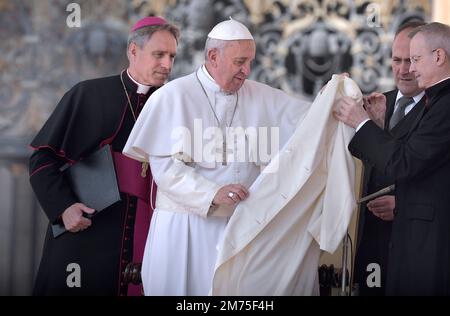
{"x": 230, "y": 30}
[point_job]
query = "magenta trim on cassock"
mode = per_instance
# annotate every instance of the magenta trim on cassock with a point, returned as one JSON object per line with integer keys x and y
{"x": 129, "y": 177}
{"x": 128, "y": 172}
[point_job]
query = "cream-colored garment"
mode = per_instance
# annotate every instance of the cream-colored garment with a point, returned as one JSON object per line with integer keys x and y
{"x": 272, "y": 243}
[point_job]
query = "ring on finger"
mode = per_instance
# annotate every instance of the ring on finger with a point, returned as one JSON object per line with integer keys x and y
{"x": 230, "y": 194}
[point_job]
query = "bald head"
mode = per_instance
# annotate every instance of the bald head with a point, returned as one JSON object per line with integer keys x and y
{"x": 405, "y": 81}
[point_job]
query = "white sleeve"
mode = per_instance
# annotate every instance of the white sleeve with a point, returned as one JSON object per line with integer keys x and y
{"x": 192, "y": 192}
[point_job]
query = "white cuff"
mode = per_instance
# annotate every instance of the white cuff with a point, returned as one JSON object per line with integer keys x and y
{"x": 361, "y": 124}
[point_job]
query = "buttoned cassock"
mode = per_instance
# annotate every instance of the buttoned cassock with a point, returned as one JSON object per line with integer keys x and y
{"x": 92, "y": 114}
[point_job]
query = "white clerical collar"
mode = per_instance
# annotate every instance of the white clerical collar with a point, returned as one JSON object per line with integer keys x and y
{"x": 207, "y": 74}
{"x": 215, "y": 85}
{"x": 416, "y": 98}
{"x": 141, "y": 87}
{"x": 207, "y": 80}
{"x": 441, "y": 81}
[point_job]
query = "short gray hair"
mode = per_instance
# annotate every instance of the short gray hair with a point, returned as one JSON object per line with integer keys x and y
{"x": 141, "y": 36}
{"x": 436, "y": 35}
{"x": 212, "y": 43}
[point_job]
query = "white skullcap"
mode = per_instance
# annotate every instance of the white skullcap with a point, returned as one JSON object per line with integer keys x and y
{"x": 230, "y": 30}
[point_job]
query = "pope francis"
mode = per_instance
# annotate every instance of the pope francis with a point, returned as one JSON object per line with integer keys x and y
{"x": 210, "y": 133}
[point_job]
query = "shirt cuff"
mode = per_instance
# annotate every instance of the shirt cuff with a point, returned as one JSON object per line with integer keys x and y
{"x": 361, "y": 124}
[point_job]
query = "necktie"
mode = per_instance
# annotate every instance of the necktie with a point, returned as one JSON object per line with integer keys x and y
{"x": 399, "y": 113}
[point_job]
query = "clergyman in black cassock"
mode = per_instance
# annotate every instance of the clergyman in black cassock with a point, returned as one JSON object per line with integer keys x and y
{"x": 91, "y": 258}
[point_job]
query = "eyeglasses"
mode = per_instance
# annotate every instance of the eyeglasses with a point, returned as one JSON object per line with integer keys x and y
{"x": 416, "y": 58}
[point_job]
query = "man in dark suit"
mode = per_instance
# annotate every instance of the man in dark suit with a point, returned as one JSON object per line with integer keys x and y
{"x": 375, "y": 217}
{"x": 419, "y": 254}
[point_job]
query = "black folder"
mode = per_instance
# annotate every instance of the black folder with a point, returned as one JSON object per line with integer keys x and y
{"x": 94, "y": 182}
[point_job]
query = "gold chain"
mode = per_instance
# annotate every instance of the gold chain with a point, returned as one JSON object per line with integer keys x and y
{"x": 144, "y": 166}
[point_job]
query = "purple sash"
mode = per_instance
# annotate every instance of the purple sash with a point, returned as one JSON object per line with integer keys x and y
{"x": 130, "y": 181}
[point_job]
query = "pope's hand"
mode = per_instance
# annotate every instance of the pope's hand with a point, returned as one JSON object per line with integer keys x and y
{"x": 230, "y": 194}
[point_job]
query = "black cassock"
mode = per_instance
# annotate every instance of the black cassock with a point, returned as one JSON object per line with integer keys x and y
{"x": 93, "y": 113}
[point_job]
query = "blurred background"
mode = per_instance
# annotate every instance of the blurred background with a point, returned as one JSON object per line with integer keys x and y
{"x": 44, "y": 52}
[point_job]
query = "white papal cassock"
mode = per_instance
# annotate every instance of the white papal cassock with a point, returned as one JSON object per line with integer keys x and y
{"x": 185, "y": 231}
{"x": 272, "y": 243}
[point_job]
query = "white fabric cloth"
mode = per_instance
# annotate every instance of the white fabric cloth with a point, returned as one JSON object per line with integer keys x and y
{"x": 180, "y": 253}
{"x": 181, "y": 247}
{"x": 271, "y": 245}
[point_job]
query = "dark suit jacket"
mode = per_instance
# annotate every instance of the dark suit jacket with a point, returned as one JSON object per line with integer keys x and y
{"x": 373, "y": 233}
{"x": 419, "y": 256}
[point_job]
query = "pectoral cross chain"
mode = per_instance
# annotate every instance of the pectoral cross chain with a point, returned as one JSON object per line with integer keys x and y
{"x": 224, "y": 143}
{"x": 144, "y": 166}
{"x": 224, "y": 153}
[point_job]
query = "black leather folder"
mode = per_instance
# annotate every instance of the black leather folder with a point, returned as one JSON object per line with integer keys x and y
{"x": 94, "y": 182}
